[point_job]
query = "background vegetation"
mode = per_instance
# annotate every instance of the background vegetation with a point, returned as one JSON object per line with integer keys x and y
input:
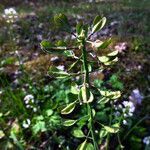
{"x": 30, "y": 98}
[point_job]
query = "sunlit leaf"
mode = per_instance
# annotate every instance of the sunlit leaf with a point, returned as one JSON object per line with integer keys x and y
{"x": 99, "y": 25}
{"x": 70, "y": 107}
{"x": 68, "y": 123}
{"x": 52, "y": 49}
{"x": 111, "y": 62}
{"x": 40, "y": 126}
{"x": 102, "y": 133}
{"x": 112, "y": 129}
{"x": 82, "y": 146}
{"x": 114, "y": 53}
{"x": 78, "y": 133}
{"x": 96, "y": 20}
{"x": 89, "y": 146}
{"x": 74, "y": 88}
{"x": 104, "y": 100}
{"x": 57, "y": 72}
{"x": 49, "y": 112}
{"x": 105, "y": 44}
{"x": 61, "y": 43}
{"x": 110, "y": 94}
{"x": 85, "y": 95}
{"x": 103, "y": 59}
{"x": 96, "y": 44}
{"x": 1, "y": 134}
{"x": 46, "y": 44}
{"x": 79, "y": 28}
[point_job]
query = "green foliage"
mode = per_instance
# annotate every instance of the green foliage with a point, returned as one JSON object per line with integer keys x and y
{"x": 82, "y": 93}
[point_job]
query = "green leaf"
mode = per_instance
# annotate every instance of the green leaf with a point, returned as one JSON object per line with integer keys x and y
{"x": 102, "y": 133}
{"x": 105, "y": 44}
{"x": 58, "y": 73}
{"x": 2, "y": 134}
{"x": 110, "y": 94}
{"x": 69, "y": 53}
{"x": 96, "y": 44}
{"x": 46, "y": 44}
{"x": 99, "y": 25}
{"x": 68, "y": 123}
{"x": 111, "y": 129}
{"x": 85, "y": 95}
{"x": 96, "y": 20}
{"x": 82, "y": 146}
{"x": 111, "y": 62}
{"x": 103, "y": 59}
{"x": 39, "y": 127}
{"x": 114, "y": 53}
{"x": 69, "y": 108}
{"x": 85, "y": 146}
{"x": 78, "y": 133}
{"x": 89, "y": 146}
{"x": 74, "y": 88}
{"x": 62, "y": 22}
{"x": 50, "y": 48}
{"x": 83, "y": 120}
{"x": 79, "y": 28}
{"x": 103, "y": 100}
{"x": 61, "y": 43}
{"x": 49, "y": 112}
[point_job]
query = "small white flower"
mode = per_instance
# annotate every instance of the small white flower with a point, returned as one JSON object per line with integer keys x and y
{"x": 28, "y": 97}
{"x": 54, "y": 58}
{"x": 120, "y": 106}
{"x": 10, "y": 11}
{"x": 61, "y": 67}
{"x": 146, "y": 140}
{"x": 130, "y": 114}
{"x": 28, "y": 106}
{"x": 26, "y": 123}
{"x": 125, "y": 122}
{"x": 129, "y": 105}
{"x": 10, "y": 14}
{"x": 35, "y": 109}
{"x": 125, "y": 115}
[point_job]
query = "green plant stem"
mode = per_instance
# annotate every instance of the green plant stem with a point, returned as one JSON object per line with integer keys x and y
{"x": 86, "y": 83}
{"x": 141, "y": 120}
{"x": 108, "y": 135}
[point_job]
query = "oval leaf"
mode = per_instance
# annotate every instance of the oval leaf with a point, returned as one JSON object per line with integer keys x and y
{"x": 68, "y": 123}
{"x": 114, "y": 53}
{"x": 96, "y": 20}
{"x": 82, "y": 146}
{"x": 105, "y": 44}
{"x": 69, "y": 108}
{"x": 85, "y": 95}
{"x": 99, "y": 25}
{"x": 103, "y": 59}
{"x": 89, "y": 146}
{"x": 78, "y": 133}
{"x": 79, "y": 28}
{"x": 111, "y": 129}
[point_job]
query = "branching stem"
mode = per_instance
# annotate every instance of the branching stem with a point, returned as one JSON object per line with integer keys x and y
{"x": 86, "y": 84}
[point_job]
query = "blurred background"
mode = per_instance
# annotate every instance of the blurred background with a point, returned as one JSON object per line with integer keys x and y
{"x": 23, "y": 65}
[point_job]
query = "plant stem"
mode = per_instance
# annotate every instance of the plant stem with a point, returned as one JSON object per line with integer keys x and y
{"x": 108, "y": 135}
{"x": 126, "y": 135}
{"x": 86, "y": 83}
